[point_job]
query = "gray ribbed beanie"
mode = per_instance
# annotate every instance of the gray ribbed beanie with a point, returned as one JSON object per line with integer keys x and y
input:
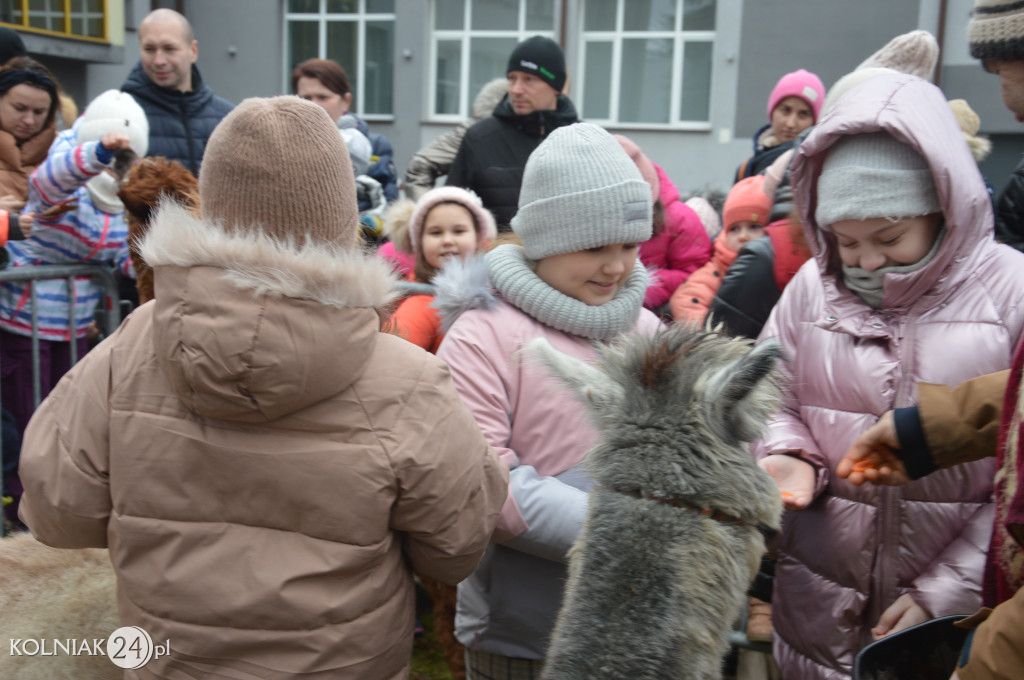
{"x": 872, "y": 175}
{"x": 278, "y": 166}
{"x": 581, "y": 190}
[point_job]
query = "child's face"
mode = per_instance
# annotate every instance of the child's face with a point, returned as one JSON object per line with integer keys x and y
{"x": 738, "y": 233}
{"x": 592, "y": 276}
{"x": 877, "y": 242}
{"x": 448, "y": 231}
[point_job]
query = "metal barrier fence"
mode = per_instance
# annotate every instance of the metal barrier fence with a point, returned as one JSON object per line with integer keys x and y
{"x": 108, "y": 318}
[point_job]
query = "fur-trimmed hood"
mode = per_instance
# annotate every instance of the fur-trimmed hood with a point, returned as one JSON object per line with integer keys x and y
{"x": 250, "y": 328}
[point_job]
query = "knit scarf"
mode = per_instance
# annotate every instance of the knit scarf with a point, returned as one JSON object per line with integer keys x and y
{"x": 1004, "y": 568}
{"x": 869, "y": 286}
{"x": 514, "y": 277}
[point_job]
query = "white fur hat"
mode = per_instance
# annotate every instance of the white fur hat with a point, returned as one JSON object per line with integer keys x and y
{"x": 115, "y": 111}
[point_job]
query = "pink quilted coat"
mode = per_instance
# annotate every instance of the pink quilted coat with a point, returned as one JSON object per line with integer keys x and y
{"x": 854, "y": 550}
{"x": 678, "y": 251}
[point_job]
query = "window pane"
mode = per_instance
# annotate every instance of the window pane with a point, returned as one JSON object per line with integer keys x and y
{"x": 380, "y": 6}
{"x": 449, "y": 74}
{"x": 495, "y": 15}
{"x": 342, "y": 6}
{"x": 699, "y": 15}
{"x": 599, "y": 15}
{"x": 488, "y": 59}
{"x": 304, "y": 6}
{"x": 303, "y": 42}
{"x": 10, "y": 12}
{"x": 540, "y": 15}
{"x": 650, "y": 15}
{"x": 343, "y": 47}
{"x": 646, "y": 73}
{"x": 46, "y": 14}
{"x": 380, "y": 44}
{"x": 696, "y": 101}
{"x": 597, "y": 83}
{"x": 449, "y": 15}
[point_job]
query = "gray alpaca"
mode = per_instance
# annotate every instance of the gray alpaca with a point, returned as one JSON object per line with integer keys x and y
{"x": 673, "y": 533}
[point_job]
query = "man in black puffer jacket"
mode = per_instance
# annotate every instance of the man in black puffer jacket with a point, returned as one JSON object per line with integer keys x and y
{"x": 181, "y": 109}
{"x": 493, "y": 153}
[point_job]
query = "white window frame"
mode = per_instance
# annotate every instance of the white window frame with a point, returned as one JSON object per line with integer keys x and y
{"x": 323, "y": 17}
{"x": 464, "y": 37}
{"x": 679, "y": 39}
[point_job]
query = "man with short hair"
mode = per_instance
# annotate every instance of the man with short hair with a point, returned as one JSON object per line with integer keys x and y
{"x": 493, "y": 153}
{"x": 181, "y": 109}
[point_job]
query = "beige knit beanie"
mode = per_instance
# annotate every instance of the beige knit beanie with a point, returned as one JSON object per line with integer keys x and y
{"x": 278, "y": 166}
{"x": 916, "y": 53}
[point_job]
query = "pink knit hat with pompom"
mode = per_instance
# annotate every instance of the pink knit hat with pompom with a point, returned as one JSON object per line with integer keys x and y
{"x": 802, "y": 84}
{"x": 482, "y": 217}
{"x": 643, "y": 163}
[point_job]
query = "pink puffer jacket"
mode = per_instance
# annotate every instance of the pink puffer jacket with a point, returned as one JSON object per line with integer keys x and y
{"x": 855, "y": 550}
{"x": 678, "y": 251}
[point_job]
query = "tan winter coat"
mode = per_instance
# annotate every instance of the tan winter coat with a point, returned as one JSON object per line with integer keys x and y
{"x": 18, "y": 162}
{"x": 266, "y": 467}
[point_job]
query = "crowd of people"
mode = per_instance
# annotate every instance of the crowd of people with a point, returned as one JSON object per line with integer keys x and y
{"x": 326, "y": 401}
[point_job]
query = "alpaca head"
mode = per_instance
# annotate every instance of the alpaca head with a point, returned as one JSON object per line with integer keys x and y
{"x": 676, "y": 412}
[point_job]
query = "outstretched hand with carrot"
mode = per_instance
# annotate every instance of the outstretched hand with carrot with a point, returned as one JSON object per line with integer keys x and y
{"x": 794, "y": 477}
{"x": 872, "y": 457}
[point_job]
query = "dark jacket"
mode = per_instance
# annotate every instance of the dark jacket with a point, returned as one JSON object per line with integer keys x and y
{"x": 180, "y": 123}
{"x": 382, "y": 163}
{"x": 756, "y": 279}
{"x": 1010, "y": 211}
{"x": 763, "y": 157}
{"x": 493, "y": 154}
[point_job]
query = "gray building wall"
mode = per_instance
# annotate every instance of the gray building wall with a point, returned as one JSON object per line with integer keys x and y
{"x": 241, "y": 54}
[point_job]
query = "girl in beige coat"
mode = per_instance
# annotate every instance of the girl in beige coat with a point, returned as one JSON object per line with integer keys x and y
{"x": 266, "y": 467}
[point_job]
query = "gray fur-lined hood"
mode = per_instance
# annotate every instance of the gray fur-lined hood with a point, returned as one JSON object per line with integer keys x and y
{"x": 248, "y": 328}
{"x": 461, "y": 286}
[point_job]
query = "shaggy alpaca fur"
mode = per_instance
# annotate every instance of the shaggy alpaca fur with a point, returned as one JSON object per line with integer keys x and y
{"x": 61, "y": 595}
{"x": 673, "y": 533}
{"x": 145, "y": 183}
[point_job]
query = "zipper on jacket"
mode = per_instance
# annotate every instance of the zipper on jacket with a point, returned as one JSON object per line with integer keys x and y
{"x": 188, "y": 136}
{"x": 889, "y": 506}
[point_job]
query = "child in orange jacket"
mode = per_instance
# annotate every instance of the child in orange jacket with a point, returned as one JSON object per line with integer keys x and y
{"x": 446, "y": 222}
{"x": 744, "y": 215}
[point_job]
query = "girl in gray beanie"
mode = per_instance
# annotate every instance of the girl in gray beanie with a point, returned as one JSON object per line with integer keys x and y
{"x": 575, "y": 279}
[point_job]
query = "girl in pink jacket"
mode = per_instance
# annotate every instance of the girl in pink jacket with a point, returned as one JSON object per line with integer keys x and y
{"x": 906, "y": 284}
{"x": 576, "y": 279}
{"x": 679, "y": 244}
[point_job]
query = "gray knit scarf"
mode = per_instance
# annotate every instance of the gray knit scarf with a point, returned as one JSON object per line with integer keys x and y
{"x": 514, "y": 277}
{"x": 868, "y": 286}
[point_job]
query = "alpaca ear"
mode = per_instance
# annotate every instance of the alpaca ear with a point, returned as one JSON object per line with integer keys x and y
{"x": 592, "y": 386}
{"x": 747, "y": 392}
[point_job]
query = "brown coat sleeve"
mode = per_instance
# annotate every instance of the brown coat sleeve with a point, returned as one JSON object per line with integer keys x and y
{"x": 961, "y": 424}
{"x": 997, "y": 650}
{"x": 65, "y": 458}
